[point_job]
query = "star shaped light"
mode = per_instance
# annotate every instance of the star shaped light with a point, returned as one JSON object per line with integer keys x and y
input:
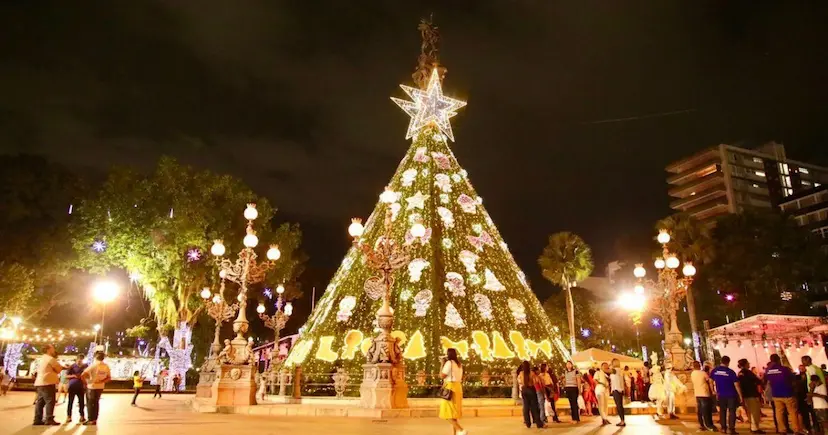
{"x": 430, "y": 106}
{"x": 416, "y": 201}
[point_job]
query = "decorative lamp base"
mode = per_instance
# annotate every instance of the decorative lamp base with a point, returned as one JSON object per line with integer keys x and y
{"x": 383, "y": 386}
{"x": 235, "y": 385}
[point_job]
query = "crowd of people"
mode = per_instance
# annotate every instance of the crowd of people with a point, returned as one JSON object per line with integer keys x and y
{"x": 799, "y": 401}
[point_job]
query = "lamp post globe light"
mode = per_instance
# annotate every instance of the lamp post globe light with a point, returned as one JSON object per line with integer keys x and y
{"x": 665, "y": 296}
{"x": 244, "y": 271}
{"x": 104, "y": 292}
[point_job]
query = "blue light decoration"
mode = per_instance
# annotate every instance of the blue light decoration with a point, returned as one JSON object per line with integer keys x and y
{"x": 268, "y": 292}
{"x": 99, "y": 246}
{"x": 656, "y": 322}
{"x": 585, "y": 332}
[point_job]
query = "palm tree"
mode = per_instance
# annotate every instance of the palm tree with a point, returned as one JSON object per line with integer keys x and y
{"x": 565, "y": 260}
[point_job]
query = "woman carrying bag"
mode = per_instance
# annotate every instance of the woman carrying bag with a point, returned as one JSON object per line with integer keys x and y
{"x": 451, "y": 407}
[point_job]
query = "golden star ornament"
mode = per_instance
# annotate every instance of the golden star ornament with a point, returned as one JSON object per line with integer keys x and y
{"x": 430, "y": 106}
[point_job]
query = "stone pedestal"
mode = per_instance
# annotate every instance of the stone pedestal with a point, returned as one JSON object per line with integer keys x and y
{"x": 204, "y": 388}
{"x": 383, "y": 386}
{"x": 235, "y": 385}
{"x": 687, "y": 400}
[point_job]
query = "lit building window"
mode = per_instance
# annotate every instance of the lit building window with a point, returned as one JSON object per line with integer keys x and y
{"x": 806, "y": 183}
{"x": 757, "y": 160}
{"x": 755, "y": 185}
{"x": 817, "y": 185}
{"x": 804, "y": 171}
{"x": 760, "y": 173}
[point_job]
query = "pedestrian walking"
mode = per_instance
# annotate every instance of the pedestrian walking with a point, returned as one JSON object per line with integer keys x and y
{"x": 540, "y": 393}
{"x": 451, "y": 407}
{"x": 550, "y": 385}
{"x": 645, "y": 378}
{"x": 137, "y": 383}
{"x": 617, "y": 387}
{"x": 780, "y": 379}
{"x": 572, "y": 383}
{"x": 76, "y": 388}
{"x": 176, "y": 383}
{"x": 62, "y": 389}
{"x": 97, "y": 375}
{"x": 531, "y": 408}
{"x": 48, "y": 371}
{"x": 729, "y": 394}
{"x": 749, "y": 384}
{"x": 704, "y": 398}
{"x": 602, "y": 392}
{"x": 159, "y": 381}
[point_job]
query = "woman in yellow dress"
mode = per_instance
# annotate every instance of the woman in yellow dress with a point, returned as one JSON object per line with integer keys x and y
{"x": 452, "y": 375}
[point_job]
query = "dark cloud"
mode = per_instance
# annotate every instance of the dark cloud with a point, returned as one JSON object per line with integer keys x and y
{"x": 293, "y": 97}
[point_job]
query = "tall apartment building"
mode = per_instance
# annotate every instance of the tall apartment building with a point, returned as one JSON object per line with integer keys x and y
{"x": 727, "y": 179}
{"x": 810, "y": 209}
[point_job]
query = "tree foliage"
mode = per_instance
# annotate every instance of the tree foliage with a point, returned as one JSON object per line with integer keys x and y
{"x": 36, "y": 255}
{"x": 586, "y": 305}
{"x": 150, "y": 223}
{"x": 690, "y": 239}
{"x": 566, "y": 259}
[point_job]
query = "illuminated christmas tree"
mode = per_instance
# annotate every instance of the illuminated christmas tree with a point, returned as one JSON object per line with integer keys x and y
{"x": 461, "y": 287}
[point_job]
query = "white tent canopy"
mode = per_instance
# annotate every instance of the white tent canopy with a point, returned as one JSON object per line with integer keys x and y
{"x": 592, "y": 357}
{"x": 757, "y": 337}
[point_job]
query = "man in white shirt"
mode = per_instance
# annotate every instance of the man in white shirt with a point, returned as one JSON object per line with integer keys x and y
{"x": 617, "y": 386}
{"x": 98, "y": 374}
{"x": 48, "y": 376}
{"x": 602, "y": 392}
{"x": 819, "y": 395}
{"x": 704, "y": 400}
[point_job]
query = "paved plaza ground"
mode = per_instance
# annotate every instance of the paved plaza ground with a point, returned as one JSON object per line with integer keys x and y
{"x": 172, "y": 416}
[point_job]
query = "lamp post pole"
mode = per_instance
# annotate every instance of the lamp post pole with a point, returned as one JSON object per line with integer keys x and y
{"x": 277, "y": 321}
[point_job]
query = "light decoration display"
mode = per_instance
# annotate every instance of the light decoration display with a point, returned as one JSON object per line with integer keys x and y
{"x": 99, "y": 246}
{"x": 180, "y": 351}
{"x": 13, "y": 358}
{"x": 456, "y": 285}
{"x": 193, "y": 255}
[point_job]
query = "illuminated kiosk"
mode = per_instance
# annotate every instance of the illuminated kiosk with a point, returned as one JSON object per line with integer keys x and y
{"x": 453, "y": 284}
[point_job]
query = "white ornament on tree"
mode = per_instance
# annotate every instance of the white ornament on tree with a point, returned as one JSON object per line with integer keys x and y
{"x": 477, "y": 228}
{"x": 421, "y": 155}
{"x": 410, "y": 238}
{"x": 444, "y": 198}
{"x": 469, "y": 260}
{"x": 446, "y": 216}
{"x": 484, "y": 306}
{"x": 405, "y": 295}
{"x": 346, "y": 308}
{"x": 454, "y": 284}
{"x": 415, "y": 269}
{"x": 492, "y": 283}
{"x": 408, "y": 177}
{"x": 518, "y": 311}
{"x": 422, "y": 300}
{"x": 395, "y": 210}
{"x": 447, "y": 243}
{"x": 468, "y": 204}
{"x": 484, "y": 239}
{"x": 443, "y": 182}
{"x": 522, "y": 278}
{"x": 453, "y": 318}
{"x": 456, "y": 177}
{"x": 416, "y": 201}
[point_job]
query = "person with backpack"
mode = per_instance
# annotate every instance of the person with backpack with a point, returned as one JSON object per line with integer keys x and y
{"x": 451, "y": 407}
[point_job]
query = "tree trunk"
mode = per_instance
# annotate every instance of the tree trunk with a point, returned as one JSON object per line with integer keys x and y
{"x": 694, "y": 327}
{"x": 570, "y": 314}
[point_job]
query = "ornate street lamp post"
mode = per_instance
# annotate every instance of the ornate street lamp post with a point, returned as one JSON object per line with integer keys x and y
{"x": 246, "y": 270}
{"x": 666, "y": 295}
{"x": 384, "y": 374}
{"x": 235, "y": 383}
{"x": 220, "y": 311}
{"x": 277, "y": 321}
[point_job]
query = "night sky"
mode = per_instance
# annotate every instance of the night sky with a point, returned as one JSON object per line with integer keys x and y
{"x": 574, "y": 108}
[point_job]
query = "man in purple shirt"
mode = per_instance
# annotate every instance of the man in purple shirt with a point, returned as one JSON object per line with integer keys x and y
{"x": 76, "y": 388}
{"x": 781, "y": 381}
{"x": 729, "y": 393}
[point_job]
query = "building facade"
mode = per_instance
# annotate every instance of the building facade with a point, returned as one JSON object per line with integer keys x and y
{"x": 810, "y": 209}
{"x": 727, "y": 179}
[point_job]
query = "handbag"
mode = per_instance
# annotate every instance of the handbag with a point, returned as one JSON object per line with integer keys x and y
{"x": 446, "y": 393}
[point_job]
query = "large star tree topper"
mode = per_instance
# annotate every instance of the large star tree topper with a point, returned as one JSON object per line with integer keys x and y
{"x": 430, "y": 106}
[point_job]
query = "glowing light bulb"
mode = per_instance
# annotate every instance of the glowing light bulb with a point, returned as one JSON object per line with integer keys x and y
{"x": 274, "y": 253}
{"x": 218, "y": 248}
{"x": 356, "y": 229}
{"x": 663, "y": 237}
{"x": 639, "y": 271}
{"x": 288, "y": 309}
{"x": 250, "y": 240}
{"x": 639, "y": 289}
{"x": 280, "y": 289}
{"x": 672, "y": 262}
{"x": 260, "y": 309}
{"x": 216, "y": 299}
{"x": 688, "y": 269}
{"x": 250, "y": 213}
{"x": 205, "y": 293}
